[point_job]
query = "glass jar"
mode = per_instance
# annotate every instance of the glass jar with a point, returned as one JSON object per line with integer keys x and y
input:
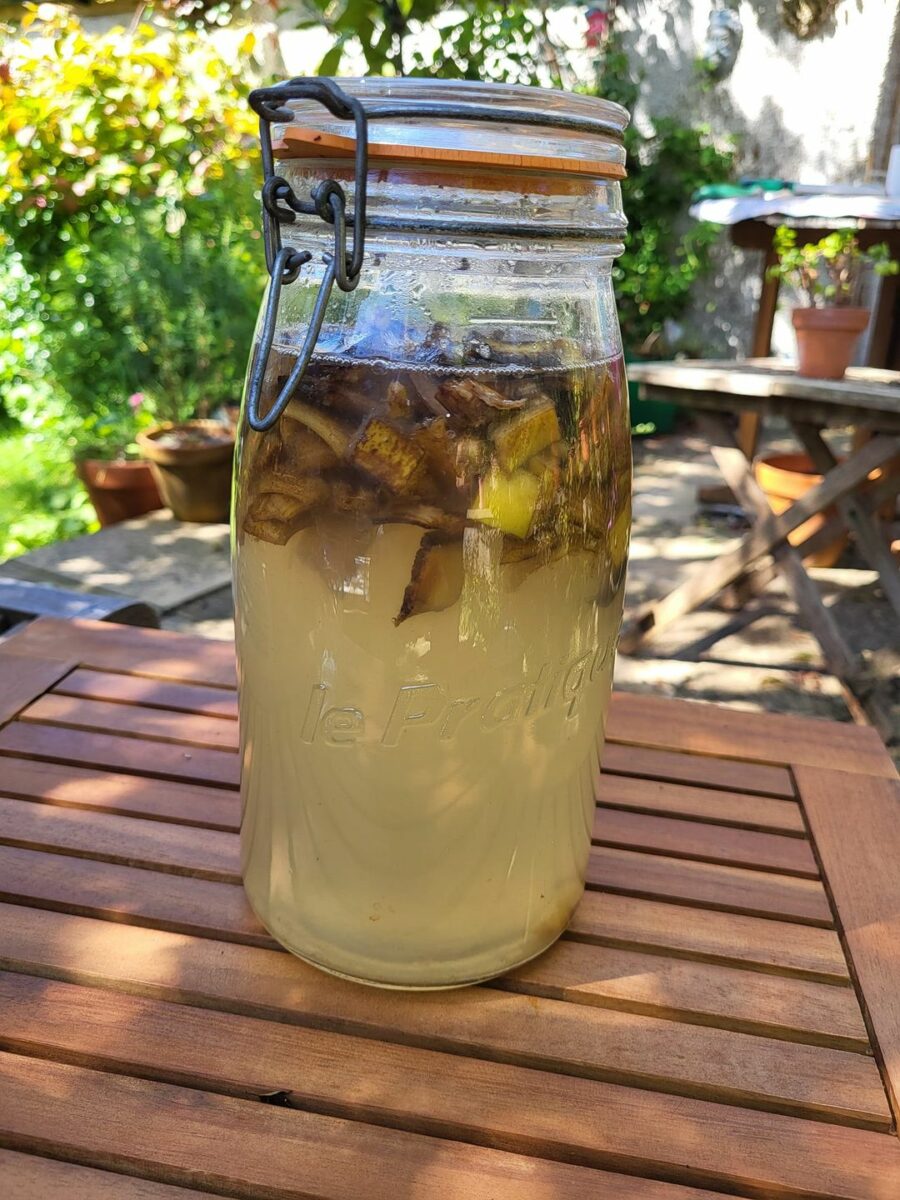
{"x": 431, "y": 522}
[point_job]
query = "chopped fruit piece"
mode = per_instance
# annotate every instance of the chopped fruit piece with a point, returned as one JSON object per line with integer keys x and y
{"x": 347, "y": 402}
{"x": 301, "y": 451}
{"x": 388, "y": 455}
{"x": 436, "y": 581}
{"x": 474, "y": 402}
{"x": 399, "y": 407}
{"x": 515, "y": 550}
{"x": 351, "y": 497}
{"x": 284, "y": 506}
{"x": 525, "y": 435}
{"x": 305, "y": 491}
{"x": 508, "y": 502}
{"x": 587, "y": 511}
{"x": 278, "y": 370}
{"x": 275, "y": 516}
{"x": 329, "y": 430}
{"x": 473, "y": 457}
{"x": 427, "y": 515}
{"x": 277, "y": 533}
{"x": 438, "y": 445}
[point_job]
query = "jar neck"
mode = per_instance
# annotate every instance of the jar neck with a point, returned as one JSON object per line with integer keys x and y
{"x": 556, "y": 216}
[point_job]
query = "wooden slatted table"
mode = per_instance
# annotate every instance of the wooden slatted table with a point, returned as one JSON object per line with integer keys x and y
{"x": 856, "y": 487}
{"x": 721, "y": 1017}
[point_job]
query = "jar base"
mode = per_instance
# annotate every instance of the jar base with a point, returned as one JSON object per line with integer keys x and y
{"x": 387, "y": 985}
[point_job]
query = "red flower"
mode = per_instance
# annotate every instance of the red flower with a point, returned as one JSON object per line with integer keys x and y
{"x": 597, "y": 27}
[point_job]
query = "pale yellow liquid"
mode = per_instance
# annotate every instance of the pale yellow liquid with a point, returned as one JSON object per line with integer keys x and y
{"x": 418, "y": 799}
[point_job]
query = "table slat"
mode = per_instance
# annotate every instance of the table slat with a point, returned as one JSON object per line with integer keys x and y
{"x": 206, "y": 853}
{"x": 131, "y": 720}
{"x": 24, "y": 680}
{"x": 856, "y": 826}
{"x": 709, "y": 885}
{"x": 181, "y": 1135}
{"x": 773, "y": 1005}
{"x": 488, "y": 1023}
{"x": 715, "y": 936}
{"x": 704, "y": 841}
{"x": 698, "y": 728}
{"x": 128, "y": 795}
{"x": 409, "y": 1087}
{"x": 28, "y": 1177}
{"x": 185, "y": 1136}
{"x": 160, "y": 693}
{"x": 673, "y": 766}
{"x": 160, "y": 759}
{"x": 703, "y": 804}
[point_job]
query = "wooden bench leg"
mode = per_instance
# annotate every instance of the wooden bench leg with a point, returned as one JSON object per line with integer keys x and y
{"x": 869, "y": 538}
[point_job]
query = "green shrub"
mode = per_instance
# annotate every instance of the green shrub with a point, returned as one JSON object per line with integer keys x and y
{"x": 665, "y": 252}
{"x": 127, "y": 196}
{"x": 40, "y": 500}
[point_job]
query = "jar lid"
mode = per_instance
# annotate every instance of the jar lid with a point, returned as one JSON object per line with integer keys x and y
{"x": 463, "y": 123}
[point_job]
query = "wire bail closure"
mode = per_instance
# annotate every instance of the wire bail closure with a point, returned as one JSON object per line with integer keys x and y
{"x": 328, "y": 200}
{"x": 280, "y": 206}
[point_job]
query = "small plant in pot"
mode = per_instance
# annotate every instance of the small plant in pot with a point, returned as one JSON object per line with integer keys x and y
{"x": 119, "y": 484}
{"x": 829, "y": 273}
{"x": 191, "y": 460}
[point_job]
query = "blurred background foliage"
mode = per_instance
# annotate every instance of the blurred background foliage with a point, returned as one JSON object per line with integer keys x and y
{"x": 130, "y": 254}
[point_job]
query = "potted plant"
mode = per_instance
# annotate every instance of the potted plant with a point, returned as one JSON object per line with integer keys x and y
{"x": 829, "y": 273}
{"x": 191, "y": 461}
{"x": 119, "y": 484}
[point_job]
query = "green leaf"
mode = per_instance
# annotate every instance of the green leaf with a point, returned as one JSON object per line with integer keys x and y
{"x": 332, "y": 60}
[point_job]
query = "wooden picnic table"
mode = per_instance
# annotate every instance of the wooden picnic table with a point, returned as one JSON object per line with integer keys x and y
{"x": 721, "y": 1017}
{"x": 857, "y": 487}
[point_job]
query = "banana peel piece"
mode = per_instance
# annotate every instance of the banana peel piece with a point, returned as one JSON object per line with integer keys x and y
{"x": 437, "y": 578}
{"x": 387, "y": 455}
{"x": 427, "y": 515}
{"x": 332, "y": 432}
{"x": 474, "y": 402}
{"x": 276, "y": 516}
{"x": 525, "y": 435}
{"x": 301, "y": 451}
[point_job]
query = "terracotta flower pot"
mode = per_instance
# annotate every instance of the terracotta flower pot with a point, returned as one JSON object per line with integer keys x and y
{"x": 826, "y": 339}
{"x": 119, "y": 489}
{"x": 785, "y": 478}
{"x": 192, "y": 463}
